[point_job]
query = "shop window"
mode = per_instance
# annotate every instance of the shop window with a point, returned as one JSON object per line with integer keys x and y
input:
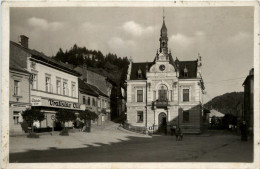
{"x": 186, "y": 116}
{"x": 186, "y": 95}
{"x": 139, "y": 95}
{"x": 140, "y": 116}
{"x": 16, "y": 88}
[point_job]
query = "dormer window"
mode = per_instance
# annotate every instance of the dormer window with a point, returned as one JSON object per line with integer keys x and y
{"x": 185, "y": 71}
{"x": 139, "y": 74}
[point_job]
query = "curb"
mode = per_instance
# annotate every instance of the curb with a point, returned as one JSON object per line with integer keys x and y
{"x": 131, "y": 132}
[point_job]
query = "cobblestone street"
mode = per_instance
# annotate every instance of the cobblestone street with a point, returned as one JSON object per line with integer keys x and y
{"x": 110, "y": 144}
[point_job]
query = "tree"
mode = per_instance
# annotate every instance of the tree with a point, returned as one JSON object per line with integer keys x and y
{"x": 87, "y": 115}
{"x": 32, "y": 115}
{"x": 65, "y": 115}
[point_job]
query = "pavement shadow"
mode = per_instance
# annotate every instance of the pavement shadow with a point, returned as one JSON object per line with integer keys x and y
{"x": 132, "y": 149}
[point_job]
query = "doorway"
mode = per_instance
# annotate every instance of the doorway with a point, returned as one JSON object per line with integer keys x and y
{"x": 162, "y": 123}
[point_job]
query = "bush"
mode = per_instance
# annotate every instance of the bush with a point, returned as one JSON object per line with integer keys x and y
{"x": 24, "y": 126}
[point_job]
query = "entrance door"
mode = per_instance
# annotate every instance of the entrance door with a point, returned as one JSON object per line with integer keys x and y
{"x": 162, "y": 123}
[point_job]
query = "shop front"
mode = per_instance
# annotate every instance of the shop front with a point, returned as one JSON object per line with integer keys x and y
{"x": 50, "y": 107}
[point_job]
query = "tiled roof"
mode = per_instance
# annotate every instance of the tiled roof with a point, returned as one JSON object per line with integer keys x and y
{"x": 191, "y": 67}
{"x": 99, "y": 92}
{"x": 14, "y": 65}
{"x": 142, "y": 66}
{"x": 40, "y": 56}
{"x": 85, "y": 88}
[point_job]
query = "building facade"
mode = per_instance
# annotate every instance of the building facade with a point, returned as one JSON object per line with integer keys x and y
{"x": 102, "y": 86}
{"x": 166, "y": 92}
{"x": 19, "y": 95}
{"x": 52, "y": 85}
{"x": 248, "y": 114}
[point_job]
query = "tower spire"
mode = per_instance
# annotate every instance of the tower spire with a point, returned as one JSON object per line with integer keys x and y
{"x": 164, "y": 38}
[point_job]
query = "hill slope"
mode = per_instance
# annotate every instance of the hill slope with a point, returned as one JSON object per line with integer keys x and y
{"x": 227, "y": 103}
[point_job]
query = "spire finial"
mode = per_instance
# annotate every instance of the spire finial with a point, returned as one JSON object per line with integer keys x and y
{"x": 163, "y": 14}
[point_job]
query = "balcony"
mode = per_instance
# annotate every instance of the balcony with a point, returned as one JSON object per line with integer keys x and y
{"x": 161, "y": 103}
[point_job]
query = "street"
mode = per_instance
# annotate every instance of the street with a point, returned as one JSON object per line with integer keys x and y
{"x": 110, "y": 144}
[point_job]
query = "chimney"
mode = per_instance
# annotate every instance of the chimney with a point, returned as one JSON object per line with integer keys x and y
{"x": 24, "y": 41}
{"x": 84, "y": 72}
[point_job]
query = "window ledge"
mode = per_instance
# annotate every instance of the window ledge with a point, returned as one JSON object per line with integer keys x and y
{"x": 17, "y": 96}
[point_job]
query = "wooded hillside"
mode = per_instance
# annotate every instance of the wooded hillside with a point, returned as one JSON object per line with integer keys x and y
{"x": 228, "y": 103}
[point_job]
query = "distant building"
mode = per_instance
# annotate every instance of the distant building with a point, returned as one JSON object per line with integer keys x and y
{"x": 19, "y": 95}
{"x": 52, "y": 85}
{"x": 248, "y": 114}
{"x": 216, "y": 116}
{"x": 165, "y": 92}
{"x": 102, "y": 87}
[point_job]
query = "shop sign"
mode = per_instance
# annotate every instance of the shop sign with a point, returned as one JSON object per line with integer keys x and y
{"x": 36, "y": 101}
{"x": 59, "y": 103}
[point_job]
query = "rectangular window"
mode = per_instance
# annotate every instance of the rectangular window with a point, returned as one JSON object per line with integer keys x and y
{"x": 186, "y": 95}
{"x": 140, "y": 117}
{"x": 186, "y": 116}
{"x": 154, "y": 95}
{"x": 48, "y": 84}
{"x": 88, "y": 100}
{"x": 73, "y": 90}
{"x": 93, "y": 102}
{"x": 84, "y": 100}
{"x": 16, "y": 117}
{"x": 34, "y": 81}
{"x": 139, "y": 95}
{"x": 16, "y": 88}
{"x": 58, "y": 86}
{"x": 65, "y": 88}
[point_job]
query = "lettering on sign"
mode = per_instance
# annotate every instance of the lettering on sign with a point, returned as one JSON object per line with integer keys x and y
{"x": 58, "y": 103}
{"x": 36, "y": 101}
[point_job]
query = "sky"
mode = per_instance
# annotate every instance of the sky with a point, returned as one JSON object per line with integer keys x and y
{"x": 222, "y": 35}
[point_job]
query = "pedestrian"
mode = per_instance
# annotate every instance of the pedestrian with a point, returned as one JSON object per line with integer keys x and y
{"x": 179, "y": 135}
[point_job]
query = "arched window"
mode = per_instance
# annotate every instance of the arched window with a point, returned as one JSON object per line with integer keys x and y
{"x": 162, "y": 93}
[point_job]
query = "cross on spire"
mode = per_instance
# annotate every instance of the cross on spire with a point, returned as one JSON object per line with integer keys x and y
{"x": 163, "y": 14}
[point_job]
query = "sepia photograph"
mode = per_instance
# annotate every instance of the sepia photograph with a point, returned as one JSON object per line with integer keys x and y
{"x": 149, "y": 84}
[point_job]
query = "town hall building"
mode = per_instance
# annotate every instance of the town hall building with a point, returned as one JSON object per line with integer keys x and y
{"x": 165, "y": 93}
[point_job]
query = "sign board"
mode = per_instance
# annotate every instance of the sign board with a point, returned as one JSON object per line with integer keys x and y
{"x": 36, "y": 101}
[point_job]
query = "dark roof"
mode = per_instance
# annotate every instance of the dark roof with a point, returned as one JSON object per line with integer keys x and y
{"x": 142, "y": 66}
{"x": 191, "y": 67}
{"x": 99, "y": 92}
{"x": 247, "y": 78}
{"x": 85, "y": 88}
{"x": 40, "y": 56}
{"x": 14, "y": 65}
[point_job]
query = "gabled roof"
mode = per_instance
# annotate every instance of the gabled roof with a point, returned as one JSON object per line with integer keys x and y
{"x": 85, "y": 88}
{"x": 14, "y": 65}
{"x": 99, "y": 92}
{"x": 40, "y": 56}
{"x": 142, "y": 66}
{"x": 191, "y": 67}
